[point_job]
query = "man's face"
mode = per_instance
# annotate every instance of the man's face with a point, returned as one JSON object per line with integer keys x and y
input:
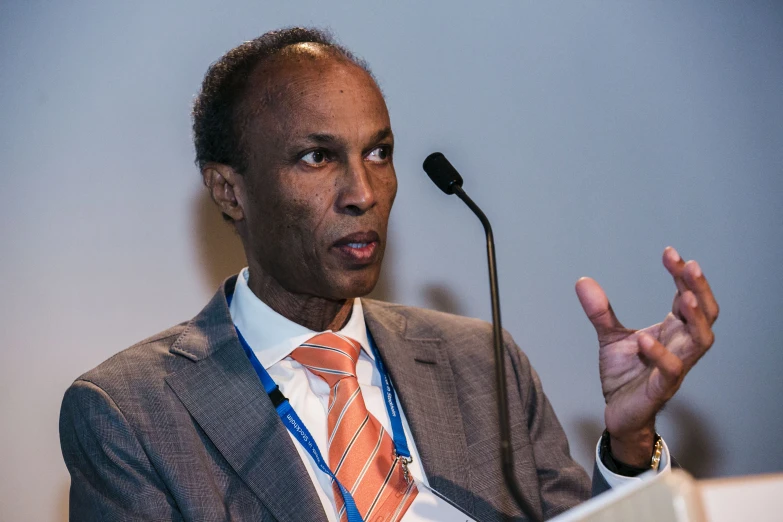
{"x": 320, "y": 182}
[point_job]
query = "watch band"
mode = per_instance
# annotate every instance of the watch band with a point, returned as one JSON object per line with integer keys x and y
{"x": 657, "y": 453}
{"x": 621, "y": 468}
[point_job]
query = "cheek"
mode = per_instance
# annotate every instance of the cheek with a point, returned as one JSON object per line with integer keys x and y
{"x": 302, "y": 222}
{"x": 393, "y": 189}
{"x": 275, "y": 225}
{"x": 388, "y": 191}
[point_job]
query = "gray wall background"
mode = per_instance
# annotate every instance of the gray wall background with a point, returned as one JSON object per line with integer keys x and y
{"x": 593, "y": 134}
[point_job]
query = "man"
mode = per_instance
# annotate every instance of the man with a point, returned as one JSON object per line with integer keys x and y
{"x": 294, "y": 143}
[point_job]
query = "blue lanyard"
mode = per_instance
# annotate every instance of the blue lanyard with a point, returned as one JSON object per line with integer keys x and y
{"x": 300, "y": 432}
{"x": 297, "y": 428}
{"x": 390, "y": 399}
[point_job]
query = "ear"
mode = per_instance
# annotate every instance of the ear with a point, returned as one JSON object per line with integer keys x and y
{"x": 227, "y": 189}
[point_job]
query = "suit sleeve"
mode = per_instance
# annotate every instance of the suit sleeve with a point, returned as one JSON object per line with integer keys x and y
{"x": 563, "y": 483}
{"x": 111, "y": 476}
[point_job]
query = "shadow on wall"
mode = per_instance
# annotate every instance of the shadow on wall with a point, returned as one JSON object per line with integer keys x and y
{"x": 690, "y": 440}
{"x": 384, "y": 290}
{"x": 439, "y": 296}
{"x": 696, "y": 449}
{"x": 62, "y": 501}
{"x": 220, "y": 251}
{"x": 588, "y": 430}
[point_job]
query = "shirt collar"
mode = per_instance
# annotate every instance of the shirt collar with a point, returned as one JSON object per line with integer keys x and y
{"x": 273, "y": 337}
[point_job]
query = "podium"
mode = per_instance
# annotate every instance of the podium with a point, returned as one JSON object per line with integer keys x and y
{"x": 678, "y": 497}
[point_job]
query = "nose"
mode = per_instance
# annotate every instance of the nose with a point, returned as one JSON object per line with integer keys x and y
{"x": 356, "y": 193}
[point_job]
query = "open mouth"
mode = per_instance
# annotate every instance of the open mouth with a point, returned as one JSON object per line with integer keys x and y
{"x": 360, "y": 247}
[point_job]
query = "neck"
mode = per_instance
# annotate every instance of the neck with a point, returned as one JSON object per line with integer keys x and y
{"x": 314, "y": 313}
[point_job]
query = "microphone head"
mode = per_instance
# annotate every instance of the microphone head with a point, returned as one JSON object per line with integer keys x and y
{"x": 442, "y": 173}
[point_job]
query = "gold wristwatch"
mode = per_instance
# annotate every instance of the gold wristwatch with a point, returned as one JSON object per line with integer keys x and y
{"x": 621, "y": 468}
{"x": 657, "y": 452}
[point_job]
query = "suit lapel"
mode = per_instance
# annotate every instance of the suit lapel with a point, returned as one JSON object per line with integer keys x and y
{"x": 421, "y": 372}
{"x": 224, "y": 395}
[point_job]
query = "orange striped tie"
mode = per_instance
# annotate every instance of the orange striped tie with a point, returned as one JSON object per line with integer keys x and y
{"x": 361, "y": 452}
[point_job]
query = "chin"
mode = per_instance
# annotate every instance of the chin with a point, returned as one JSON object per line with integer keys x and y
{"x": 357, "y": 286}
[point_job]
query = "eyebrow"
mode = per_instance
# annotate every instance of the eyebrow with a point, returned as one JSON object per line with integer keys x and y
{"x": 322, "y": 138}
{"x": 382, "y": 134}
{"x": 319, "y": 137}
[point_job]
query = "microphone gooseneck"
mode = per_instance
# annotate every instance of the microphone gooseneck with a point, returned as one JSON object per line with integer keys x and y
{"x": 446, "y": 177}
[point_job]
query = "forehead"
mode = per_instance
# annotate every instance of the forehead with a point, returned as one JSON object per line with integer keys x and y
{"x": 309, "y": 86}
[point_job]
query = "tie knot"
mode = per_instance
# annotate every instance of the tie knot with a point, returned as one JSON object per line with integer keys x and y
{"x": 330, "y": 356}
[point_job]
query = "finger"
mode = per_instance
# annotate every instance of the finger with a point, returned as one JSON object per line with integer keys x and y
{"x": 696, "y": 322}
{"x": 676, "y": 306}
{"x": 676, "y": 266}
{"x": 596, "y": 305}
{"x": 698, "y": 284}
{"x": 670, "y": 367}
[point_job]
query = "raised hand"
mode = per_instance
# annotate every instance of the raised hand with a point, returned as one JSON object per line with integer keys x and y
{"x": 642, "y": 369}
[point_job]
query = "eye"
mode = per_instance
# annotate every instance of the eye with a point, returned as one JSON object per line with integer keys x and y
{"x": 380, "y": 154}
{"x": 316, "y": 158}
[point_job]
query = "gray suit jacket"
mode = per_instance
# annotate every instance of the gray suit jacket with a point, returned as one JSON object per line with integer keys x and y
{"x": 178, "y": 427}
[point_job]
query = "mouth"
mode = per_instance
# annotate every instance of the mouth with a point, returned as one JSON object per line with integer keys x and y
{"x": 360, "y": 248}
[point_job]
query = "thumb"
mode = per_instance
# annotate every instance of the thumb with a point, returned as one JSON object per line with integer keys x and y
{"x": 596, "y": 305}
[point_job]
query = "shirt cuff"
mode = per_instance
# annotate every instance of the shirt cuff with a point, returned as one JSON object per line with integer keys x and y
{"x": 614, "y": 480}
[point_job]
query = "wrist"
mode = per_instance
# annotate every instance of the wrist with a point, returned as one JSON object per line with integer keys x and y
{"x": 634, "y": 449}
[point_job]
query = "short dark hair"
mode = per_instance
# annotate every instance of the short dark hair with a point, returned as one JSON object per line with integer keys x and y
{"x": 216, "y": 119}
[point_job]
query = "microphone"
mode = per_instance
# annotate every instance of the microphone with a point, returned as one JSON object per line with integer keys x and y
{"x": 446, "y": 177}
{"x": 442, "y": 173}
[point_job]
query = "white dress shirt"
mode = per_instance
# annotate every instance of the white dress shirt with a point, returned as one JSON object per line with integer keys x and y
{"x": 273, "y": 337}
